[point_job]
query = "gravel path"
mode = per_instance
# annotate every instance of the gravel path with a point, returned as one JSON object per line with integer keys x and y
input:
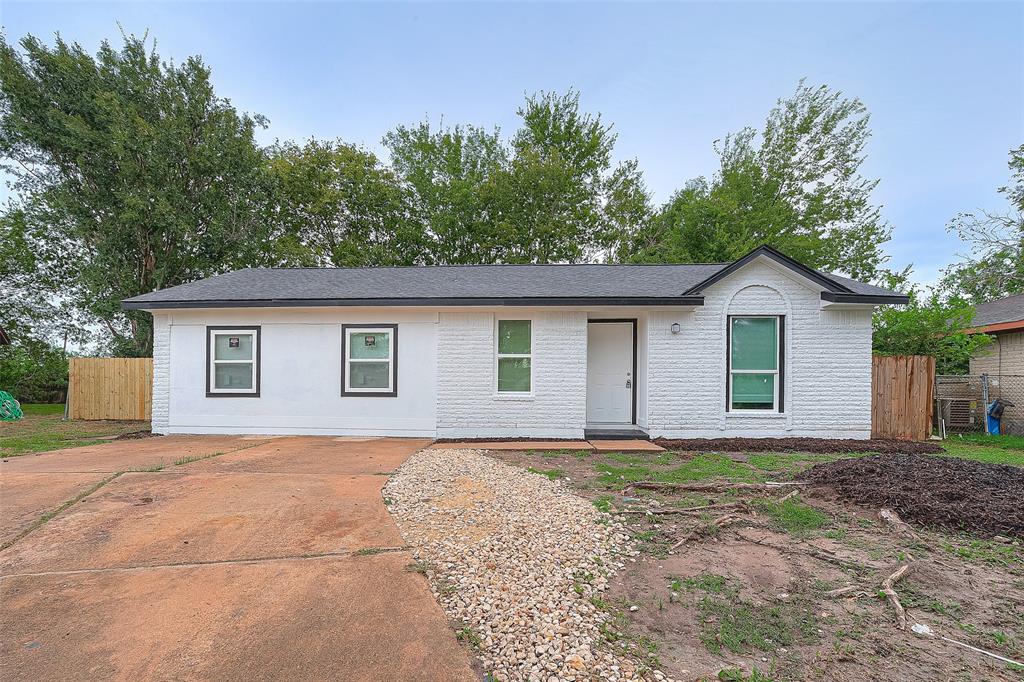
{"x": 515, "y": 558}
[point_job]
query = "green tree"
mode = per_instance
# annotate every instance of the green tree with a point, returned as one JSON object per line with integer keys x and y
{"x": 796, "y": 186}
{"x": 995, "y": 266}
{"x": 131, "y": 175}
{"x": 928, "y": 325}
{"x": 333, "y": 204}
{"x": 551, "y": 194}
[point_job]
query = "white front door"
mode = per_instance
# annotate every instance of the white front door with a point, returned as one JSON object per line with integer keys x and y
{"x": 610, "y": 373}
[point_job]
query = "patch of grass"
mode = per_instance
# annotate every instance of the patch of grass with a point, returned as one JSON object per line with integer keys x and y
{"x": 47, "y": 409}
{"x": 1007, "y": 442}
{"x": 699, "y": 468}
{"x": 738, "y": 675}
{"x": 985, "y": 551}
{"x": 740, "y": 626}
{"x": 997, "y": 450}
{"x": 468, "y": 636}
{"x": 43, "y": 429}
{"x": 711, "y": 583}
{"x": 913, "y": 598}
{"x": 604, "y": 503}
{"x": 791, "y": 463}
{"x": 370, "y": 551}
{"x": 688, "y": 501}
{"x": 793, "y": 516}
{"x": 552, "y": 474}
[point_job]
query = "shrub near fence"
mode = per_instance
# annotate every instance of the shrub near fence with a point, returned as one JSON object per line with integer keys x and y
{"x": 901, "y": 396}
{"x": 110, "y": 388}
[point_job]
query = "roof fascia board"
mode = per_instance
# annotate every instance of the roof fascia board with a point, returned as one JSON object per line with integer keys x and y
{"x": 875, "y": 299}
{"x": 660, "y": 301}
{"x": 778, "y": 257}
{"x": 997, "y": 327}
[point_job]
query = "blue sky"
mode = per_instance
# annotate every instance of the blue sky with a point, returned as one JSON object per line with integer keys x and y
{"x": 944, "y": 81}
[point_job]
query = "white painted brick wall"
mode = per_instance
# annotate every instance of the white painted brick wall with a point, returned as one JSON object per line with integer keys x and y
{"x": 468, "y": 404}
{"x": 161, "y": 373}
{"x": 828, "y": 363}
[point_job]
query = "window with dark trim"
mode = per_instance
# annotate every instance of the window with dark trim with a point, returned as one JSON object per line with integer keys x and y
{"x": 369, "y": 360}
{"x": 756, "y": 363}
{"x": 233, "y": 362}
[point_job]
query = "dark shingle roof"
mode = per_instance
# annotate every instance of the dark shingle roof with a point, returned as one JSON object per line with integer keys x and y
{"x": 1009, "y": 309}
{"x": 454, "y": 285}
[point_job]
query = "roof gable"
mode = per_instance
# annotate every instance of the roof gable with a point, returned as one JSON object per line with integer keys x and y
{"x": 778, "y": 257}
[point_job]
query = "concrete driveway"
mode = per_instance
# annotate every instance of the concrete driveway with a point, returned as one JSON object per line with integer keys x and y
{"x": 214, "y": 558}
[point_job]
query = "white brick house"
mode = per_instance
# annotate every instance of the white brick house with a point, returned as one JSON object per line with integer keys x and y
{"x": 763, "y": 346}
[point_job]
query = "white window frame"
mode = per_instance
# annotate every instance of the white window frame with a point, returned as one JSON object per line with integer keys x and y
{"x": 778, "y": 355}
{"x": 499, "y": 355}
{"x": 212, "y": 361}
{"x": 392, "y": 388}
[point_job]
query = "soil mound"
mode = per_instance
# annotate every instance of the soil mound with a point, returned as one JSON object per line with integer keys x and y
{"x": 953, "y": 493}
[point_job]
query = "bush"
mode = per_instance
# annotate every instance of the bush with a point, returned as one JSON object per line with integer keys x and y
{"x": 34, "y": 373}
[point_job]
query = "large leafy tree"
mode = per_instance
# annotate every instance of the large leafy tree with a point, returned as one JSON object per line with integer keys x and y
{"x": 131, "y": 174}
{"x": 550, "y": 194}
{"x": 995, "y": 266}
{"x": 931, "y": 324}
{"x": 796, "y": 185}
{"x": 333, "y": 204}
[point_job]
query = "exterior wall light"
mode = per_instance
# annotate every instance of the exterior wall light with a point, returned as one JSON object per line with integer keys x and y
{"x": 675, "y": 328}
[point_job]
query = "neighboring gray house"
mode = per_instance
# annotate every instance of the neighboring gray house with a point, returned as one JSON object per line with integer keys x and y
{"x": 763, "y": 346}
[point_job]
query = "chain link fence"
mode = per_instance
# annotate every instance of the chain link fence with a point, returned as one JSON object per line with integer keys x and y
{"x": 961, "y": 401}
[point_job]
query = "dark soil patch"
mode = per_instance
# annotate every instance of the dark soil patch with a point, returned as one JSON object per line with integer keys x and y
{"x": 135, "y": 435}
{"x": 949, "y": 492}
{"x": 812, "y": 445}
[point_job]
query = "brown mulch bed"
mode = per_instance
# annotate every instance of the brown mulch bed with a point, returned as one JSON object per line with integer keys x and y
{"x": 953, "y": 493}
{"x": 811, "y": 445}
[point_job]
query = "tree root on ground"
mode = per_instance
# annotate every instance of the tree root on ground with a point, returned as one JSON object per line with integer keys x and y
{"x": 720, "y": 522}
{"x": 894, "y": 599}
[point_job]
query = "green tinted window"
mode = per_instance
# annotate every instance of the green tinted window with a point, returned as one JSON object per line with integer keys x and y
{"x": 369, "y": 375}
{"x": 513, "y": 375}
{"x": 237, "y": 375}
{"x": 753, "y": 391}
{"x": 232, "y": 346}
{"x": 369, "y": 345}
{"x": 754, "y": 343}
{"x": 514, "y": 337}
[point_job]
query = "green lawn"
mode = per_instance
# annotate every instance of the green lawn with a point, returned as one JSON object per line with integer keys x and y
{"x": 44, "y": 428}
{"x": 984, "y": 448}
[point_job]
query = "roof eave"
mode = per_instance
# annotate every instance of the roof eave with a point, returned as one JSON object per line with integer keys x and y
{"x": 873, "y": 299}
{"x": 136, "y": 304}
{"x": 1013, "y": 325}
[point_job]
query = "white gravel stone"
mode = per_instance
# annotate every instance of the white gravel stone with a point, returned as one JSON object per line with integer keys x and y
{"x": 516, "y": 558}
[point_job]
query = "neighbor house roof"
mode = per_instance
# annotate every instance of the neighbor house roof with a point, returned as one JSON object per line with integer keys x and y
{"x": 463, "y": 285}
{"x": 1004, "y": 314}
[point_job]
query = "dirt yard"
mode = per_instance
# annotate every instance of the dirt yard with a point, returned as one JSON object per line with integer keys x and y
{"x": 742, "y": 579}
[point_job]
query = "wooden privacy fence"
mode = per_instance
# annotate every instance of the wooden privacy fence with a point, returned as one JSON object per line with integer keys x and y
{"x": 902, "y": 387}
{"x": 110, "y": 388}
